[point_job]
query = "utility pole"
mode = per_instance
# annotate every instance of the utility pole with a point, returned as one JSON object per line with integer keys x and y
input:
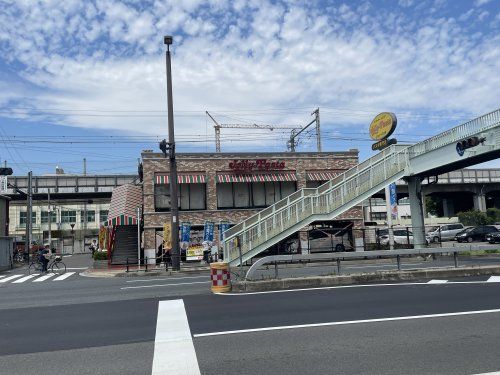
{"x": 50, "y": 218}
{"x": 29, "y": 214}
{"x": 292, "y": 143}
{"x": 84, "y": 207}
{"x": 318, "y": 132}
{"x": 174, "y": 204}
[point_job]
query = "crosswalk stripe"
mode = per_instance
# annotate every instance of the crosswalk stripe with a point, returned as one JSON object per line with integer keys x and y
{"x": 437, "y": 281}
{"x": 22, "y": 280}
{"x": 492, "y": 279}
{"x": 10, "y": 278}
{"x": 2, "y": 276}
{"x": 63, "y": 276}
{"x": 43, "y": 278}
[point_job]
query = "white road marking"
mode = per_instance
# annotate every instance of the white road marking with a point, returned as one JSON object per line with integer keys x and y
{"x": 43, "y": 278}
{"x": 347, "y": 322}
{"x": 493, "y": 279}
{"x": 2, "y": 276}
{"x": 174, "y": 350}
{"x": 437, "y": 281}
{"x": 10, "y": 278}
{"x": 167, "y": 278}
{"x": 346, "y": 287}
{"x": 22, "y": 280}
{"x": 490, "y": 373}
{"x": 63, "y": 276}
{"x": 77, "y": 268}
{"x": 157, "y": 285}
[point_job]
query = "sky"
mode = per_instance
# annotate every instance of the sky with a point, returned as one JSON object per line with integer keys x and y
{"x": 86, "y": 79}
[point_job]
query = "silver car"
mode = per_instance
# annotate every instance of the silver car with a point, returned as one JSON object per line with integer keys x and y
{"x": 445, "y": 232}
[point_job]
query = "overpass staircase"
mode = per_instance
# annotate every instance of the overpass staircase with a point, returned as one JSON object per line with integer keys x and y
{"x": 429, "y": 157}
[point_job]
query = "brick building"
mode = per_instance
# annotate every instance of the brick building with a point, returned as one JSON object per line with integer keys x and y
{"x": 230, "y": 187}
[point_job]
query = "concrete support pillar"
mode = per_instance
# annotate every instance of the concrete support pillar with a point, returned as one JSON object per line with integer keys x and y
{"x": 480, "y": 202}
{"x": 417, "y": 217}
{"x": 448, "y": 208}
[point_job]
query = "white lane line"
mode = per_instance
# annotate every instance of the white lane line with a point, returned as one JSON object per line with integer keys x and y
{"x": 22, "y": 280}
{"x": 346, "y": 287}
{"x": 10, "y": 278}
{"x": 77, "y": 268}
{"x": 437, "y": 281}
{"x": 489, "y": 373}
{"x": 43, "y": 278}
{"x": 493, "y": 279}
{"x": 348, "y": 322}
{"x": 158, "y": 285}
{"x": 167, "y": 278}
{"x": 174, "y": 350}
{"x": 63, "y": 276}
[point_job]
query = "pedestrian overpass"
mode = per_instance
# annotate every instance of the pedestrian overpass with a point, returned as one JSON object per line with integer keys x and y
{"x": 435, "y": 155}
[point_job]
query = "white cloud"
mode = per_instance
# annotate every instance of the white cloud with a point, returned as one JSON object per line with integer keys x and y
{"x": 266, "y": 55}
{"x": 479, "y": 3}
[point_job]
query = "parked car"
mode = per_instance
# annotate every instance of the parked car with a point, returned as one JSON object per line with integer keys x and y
{"x": 402, "y": 236}
{"x": 493, "y": 237}
{"x": 475, "y": 233}
{"x": 327, "y": 239}
{"x": 445, "y": 232}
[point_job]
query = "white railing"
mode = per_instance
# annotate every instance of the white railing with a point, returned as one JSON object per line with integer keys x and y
{"x": 304, "y": 204}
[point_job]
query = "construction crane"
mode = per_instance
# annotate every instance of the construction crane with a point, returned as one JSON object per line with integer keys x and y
{"x": 218, "y": 127}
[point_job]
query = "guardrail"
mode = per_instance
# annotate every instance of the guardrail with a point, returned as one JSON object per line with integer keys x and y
{"x": 342, "y": 256}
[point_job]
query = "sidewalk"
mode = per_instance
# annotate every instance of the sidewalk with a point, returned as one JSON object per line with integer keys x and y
{"x": 152, "y": 271}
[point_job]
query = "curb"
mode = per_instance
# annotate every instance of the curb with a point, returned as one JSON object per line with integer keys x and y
{"x": 320, "y": 281}
{"x": 98, "y": 273}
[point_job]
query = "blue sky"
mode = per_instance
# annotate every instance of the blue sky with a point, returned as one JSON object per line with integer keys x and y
{"x": 86, "y": 79}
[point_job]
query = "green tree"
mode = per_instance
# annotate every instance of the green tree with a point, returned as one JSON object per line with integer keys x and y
{"x": 474, "y": 217}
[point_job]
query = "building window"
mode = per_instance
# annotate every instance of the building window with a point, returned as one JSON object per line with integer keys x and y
{"x": 68, "y": 216}
{"x": 252, "y": 194}
{"x": 90, "y": 216}
{"x": 103, "y": 216}
{"x": 45, "y": 217}
{"x": 378, "y": 216}
{"x": 191, "y": 197}
{"x": 23, "y": 218}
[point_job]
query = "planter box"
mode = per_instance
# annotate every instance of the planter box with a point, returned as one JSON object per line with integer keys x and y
{"x": 101, "y": 263}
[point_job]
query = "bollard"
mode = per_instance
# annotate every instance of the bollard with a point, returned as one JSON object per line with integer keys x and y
{"x": 398, "y": 258}
{"x": 146, "y": 261}
{"x": 220, "y": 277}
{"x": 127, "y": 265}
{"x": 275, "y": 269}
{"x": 455, "y": 258}
{"x": 338, "y": 266}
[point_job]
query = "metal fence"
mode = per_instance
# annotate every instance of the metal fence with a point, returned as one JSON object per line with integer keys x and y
{"x": 345, "y": 263}
{"x": 6, "y": 253}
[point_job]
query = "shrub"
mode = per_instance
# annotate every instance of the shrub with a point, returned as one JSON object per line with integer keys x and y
{"x": 474, "y": 217}
{"x": 494, "y": 214}
{"x": 100, "y": 255}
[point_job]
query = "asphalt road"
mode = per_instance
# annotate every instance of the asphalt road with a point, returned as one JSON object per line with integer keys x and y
{"x": 106, "y": 329}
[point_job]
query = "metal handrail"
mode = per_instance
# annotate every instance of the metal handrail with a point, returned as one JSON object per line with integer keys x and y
{"x": 290, "y": 258}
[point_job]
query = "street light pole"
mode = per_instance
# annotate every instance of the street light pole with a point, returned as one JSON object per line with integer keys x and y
{"x": 174, "y": 204}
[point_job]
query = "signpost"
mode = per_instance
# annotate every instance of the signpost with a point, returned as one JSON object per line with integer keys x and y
{"x": 381, "y": 128}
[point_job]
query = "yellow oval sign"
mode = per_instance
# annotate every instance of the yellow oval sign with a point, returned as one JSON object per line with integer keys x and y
{"x": 383, "y": 125}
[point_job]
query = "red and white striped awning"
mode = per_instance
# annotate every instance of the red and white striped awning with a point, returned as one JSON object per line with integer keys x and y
{"x": 322, "y": 175}
{"x": 162, "y": 179}
{"x": 267, "y": 177}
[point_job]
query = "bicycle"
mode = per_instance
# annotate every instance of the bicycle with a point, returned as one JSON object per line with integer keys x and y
{"x": 55, "y": 265}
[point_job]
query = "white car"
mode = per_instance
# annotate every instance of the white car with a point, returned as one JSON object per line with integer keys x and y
{"x": 445, "y": 232}
{"x": 401, "y": 237}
